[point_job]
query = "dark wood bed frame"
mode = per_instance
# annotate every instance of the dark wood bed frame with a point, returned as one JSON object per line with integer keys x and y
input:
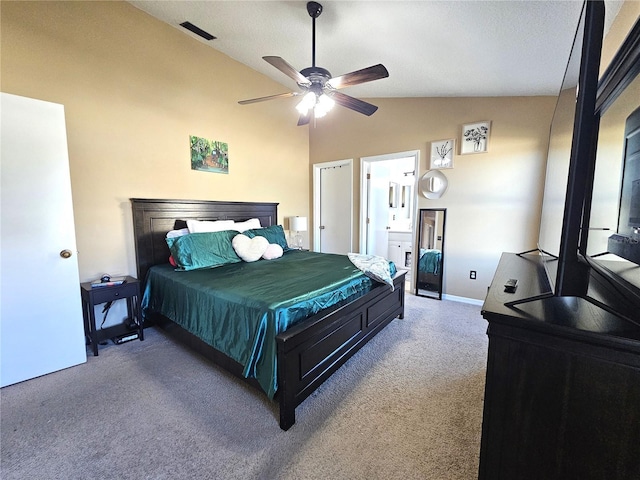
{"x": 309, "y": 352}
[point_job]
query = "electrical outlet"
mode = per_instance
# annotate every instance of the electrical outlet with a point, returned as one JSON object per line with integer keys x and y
{"x": 472, "y": 274}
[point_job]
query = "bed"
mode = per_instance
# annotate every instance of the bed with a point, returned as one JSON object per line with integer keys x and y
{"x": 429, "y": 263}
{"x": 306, "y": 353}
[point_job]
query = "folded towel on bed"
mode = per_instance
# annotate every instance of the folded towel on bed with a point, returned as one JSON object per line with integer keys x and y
{"x": 373, "y": 266}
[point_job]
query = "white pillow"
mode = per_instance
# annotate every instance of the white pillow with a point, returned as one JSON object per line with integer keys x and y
{"x": 249, "y": 249}
{"x": 247, "y": 225}
{"x": 177, "y": 233}
{"x": 202, "y": 226}
{"x": 272, "y": 252}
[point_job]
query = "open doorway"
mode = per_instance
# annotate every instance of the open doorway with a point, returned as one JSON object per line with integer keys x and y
{"x": 388, "y": 207}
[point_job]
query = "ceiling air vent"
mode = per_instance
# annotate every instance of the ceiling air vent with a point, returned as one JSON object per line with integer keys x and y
{"x": 198, "y": 31}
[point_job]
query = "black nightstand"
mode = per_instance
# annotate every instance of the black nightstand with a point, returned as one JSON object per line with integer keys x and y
{"x": 130, "y": 290}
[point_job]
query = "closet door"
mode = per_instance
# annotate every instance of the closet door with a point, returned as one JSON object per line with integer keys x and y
{"x": 41, "y": 327}
{"x": 333, "y": 232}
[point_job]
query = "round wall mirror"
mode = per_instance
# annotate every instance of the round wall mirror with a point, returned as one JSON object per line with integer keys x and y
{"x": 433, "y": 184}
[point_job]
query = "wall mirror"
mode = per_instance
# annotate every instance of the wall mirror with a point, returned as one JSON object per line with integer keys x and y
{"x": 430, "y": 258}
{"x": 433, "y": 184}
{"x": 393, "y": 195}
{"x": 406, "y": 204}
{"x": 613, "y": 241}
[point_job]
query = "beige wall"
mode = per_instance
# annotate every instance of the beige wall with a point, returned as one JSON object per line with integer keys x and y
{"x": 493, "y": 201}
{"x": 134, "y": 89}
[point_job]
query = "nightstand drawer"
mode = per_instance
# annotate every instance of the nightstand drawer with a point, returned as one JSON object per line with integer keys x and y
{"x": 116, "y": 292}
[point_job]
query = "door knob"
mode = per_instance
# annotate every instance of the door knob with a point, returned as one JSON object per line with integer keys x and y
{"x": 321, "y": 227}
{"x": 65, "y": 253}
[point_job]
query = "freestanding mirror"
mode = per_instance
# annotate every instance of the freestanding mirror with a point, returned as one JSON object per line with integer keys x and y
{"x": 430, "y": 264}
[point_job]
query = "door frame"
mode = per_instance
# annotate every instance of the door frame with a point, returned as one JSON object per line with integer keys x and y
{"x": 317, "y": 195}
{"x": 364, "y": 192}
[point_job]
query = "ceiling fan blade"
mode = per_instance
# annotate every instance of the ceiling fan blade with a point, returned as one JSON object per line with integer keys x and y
{"x": 368, "y": 74}
{"x": 270, "y": 97}
{"x": 353, "y": 103}
{"x": 304, "y": 118}
{"x": 288, "y": 70}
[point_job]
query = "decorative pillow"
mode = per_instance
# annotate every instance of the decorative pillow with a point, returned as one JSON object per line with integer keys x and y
{"x": 247, "y": 225}
{"x": 202, "y": 226}
{"x": 273, "y": 251}
{"x": 177, "y": 233}
{"x": 203, "y": 250}
{"x": 274, "y": 233}
{"x": 249, "y": 249}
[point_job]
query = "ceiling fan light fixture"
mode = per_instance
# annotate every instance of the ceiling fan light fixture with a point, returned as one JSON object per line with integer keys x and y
{"x": 324, "y": 104}
{"x": 307, "y": 103}
{"x": 319, "y": 88}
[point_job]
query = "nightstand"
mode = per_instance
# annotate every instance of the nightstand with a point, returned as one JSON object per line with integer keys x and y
{"x": 129, "y": 290}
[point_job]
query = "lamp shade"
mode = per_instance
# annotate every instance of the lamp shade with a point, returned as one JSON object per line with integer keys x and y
{"x": 298, "y": 224}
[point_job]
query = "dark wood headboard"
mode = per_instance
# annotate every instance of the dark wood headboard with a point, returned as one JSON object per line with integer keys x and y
{"x": 153, "y": 218}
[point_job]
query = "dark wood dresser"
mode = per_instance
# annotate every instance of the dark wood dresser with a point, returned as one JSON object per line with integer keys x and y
{"x": 562, "y": 396}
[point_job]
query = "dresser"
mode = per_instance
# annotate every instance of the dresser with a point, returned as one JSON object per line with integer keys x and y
{"x": 562, "y": 397}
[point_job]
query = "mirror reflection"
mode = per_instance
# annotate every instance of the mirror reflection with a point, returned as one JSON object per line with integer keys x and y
{"x": 610, "y": 163}
{"x": 430, "y": 261}
{"x": 617, "y": 172}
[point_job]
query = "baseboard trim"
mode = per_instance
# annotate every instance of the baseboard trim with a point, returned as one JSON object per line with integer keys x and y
{"x": 455, "y": 298}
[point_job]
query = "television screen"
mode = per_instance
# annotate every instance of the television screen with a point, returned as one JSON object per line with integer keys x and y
{"x": 559, "y": 156}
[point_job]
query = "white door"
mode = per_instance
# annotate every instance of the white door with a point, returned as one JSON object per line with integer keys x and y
{"x": 378, "y": 209}
{"x": 333, "y": 225}
{"x": 41, "y": 327}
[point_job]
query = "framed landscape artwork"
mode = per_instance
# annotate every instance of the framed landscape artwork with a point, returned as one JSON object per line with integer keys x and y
{"x": 209, "y": 155}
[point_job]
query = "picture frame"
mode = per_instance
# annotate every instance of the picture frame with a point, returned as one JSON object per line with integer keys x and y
{"x": 209, "y": 155}
{"x": 442, "y": 153}
{"x": 475, "y": 137}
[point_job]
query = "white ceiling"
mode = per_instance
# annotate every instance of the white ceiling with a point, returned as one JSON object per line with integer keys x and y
{"x": 431, "y": 48}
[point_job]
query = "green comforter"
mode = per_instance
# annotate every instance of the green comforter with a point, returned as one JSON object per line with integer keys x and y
{"x": 240, "y": 308}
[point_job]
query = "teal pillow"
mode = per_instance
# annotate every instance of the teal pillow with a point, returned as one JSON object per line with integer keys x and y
{"x": 274, "y": 233}
{"x": 203, "y": 250}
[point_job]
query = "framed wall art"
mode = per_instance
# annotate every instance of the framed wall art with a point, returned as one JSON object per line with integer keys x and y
{"x": 209, "y": 155}
{"x": 442, "y": 153}
{"x": 475, "y": 137}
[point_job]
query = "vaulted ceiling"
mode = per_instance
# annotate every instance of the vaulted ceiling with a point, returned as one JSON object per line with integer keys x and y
{"x": 431, "y": 48}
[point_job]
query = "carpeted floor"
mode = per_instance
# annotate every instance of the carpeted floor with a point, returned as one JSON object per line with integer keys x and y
{"x": 407, "y": 406}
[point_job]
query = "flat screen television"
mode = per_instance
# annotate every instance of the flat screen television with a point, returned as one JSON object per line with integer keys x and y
{"x": 591, "y": 198}
{"x": 569, "y": 159}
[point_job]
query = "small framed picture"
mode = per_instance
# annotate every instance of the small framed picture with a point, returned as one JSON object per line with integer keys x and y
{"x": 475, "y": 138}
{"x": 442, "y": 153}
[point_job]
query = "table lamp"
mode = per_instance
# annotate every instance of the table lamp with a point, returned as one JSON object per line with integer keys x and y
{"x": 297, "y": 225}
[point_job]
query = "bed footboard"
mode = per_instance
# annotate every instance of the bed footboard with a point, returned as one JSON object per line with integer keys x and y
{"x": 311, "y": 353}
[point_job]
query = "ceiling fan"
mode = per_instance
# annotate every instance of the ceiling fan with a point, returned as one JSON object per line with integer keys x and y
{"x": 319, "y": 89}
